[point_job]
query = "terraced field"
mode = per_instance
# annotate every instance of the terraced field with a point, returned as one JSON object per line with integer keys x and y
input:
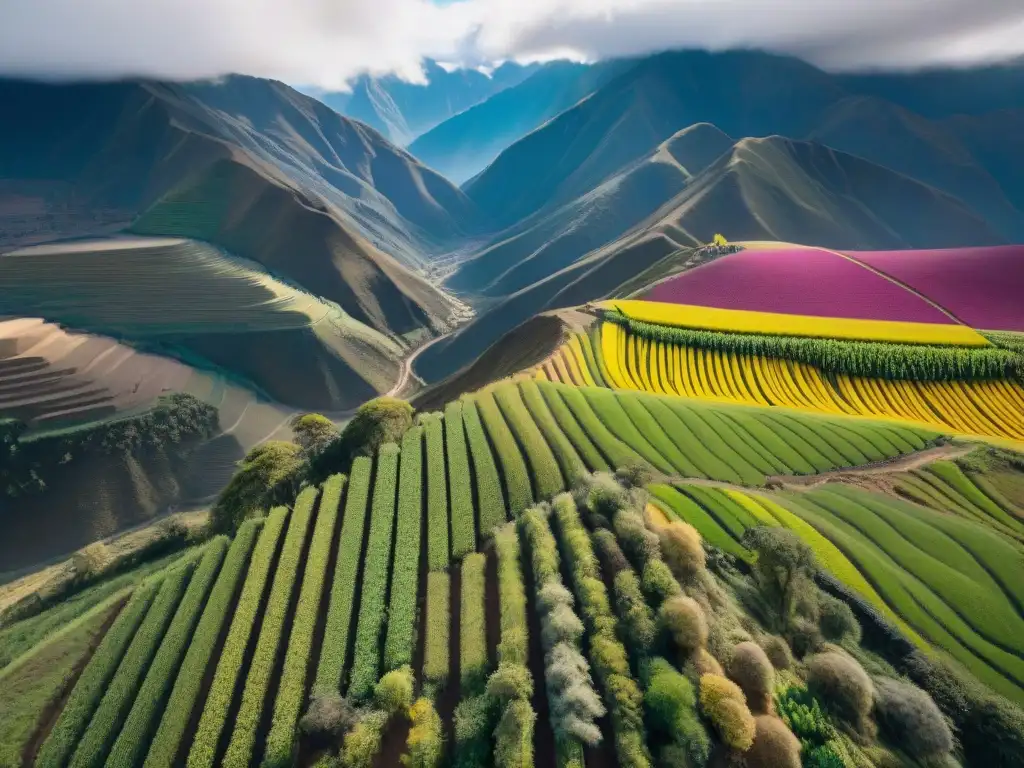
{"x": 968, "y": 391}
{"x": 200, "y": 304}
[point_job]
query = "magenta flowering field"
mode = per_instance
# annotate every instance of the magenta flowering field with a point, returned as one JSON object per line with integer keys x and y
{"x": 983, "y": 287}
{"x": 798, "y": 281}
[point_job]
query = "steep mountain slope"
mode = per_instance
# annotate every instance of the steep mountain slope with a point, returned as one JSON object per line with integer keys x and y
{"x": 466, "y": 143}
{"x": 746, "y": 94}
{"x": 760, "y": 189}
{"x": 402, "y": 111}
{"x": 244, "y": 163}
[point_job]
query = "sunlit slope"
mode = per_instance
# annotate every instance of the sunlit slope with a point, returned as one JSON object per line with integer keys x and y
{"x": 198, "y": 302}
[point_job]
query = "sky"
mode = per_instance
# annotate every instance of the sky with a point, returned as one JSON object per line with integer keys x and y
{"x": 325, "y": 43}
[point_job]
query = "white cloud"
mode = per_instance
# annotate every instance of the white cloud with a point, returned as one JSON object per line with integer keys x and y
{"x": 325, "y": 42}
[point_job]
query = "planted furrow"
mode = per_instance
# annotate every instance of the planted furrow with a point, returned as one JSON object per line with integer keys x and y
{"x": 547, "y": 476}
{"x": 488, "y": 486}
{"x": 202, "y": 644}
{"x": 513, "y": 466}
{"x": 472, "y": 627}
{"x": 437, "y": 494}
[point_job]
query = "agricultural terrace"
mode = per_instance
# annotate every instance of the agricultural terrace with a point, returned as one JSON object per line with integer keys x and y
{"x": 967, "y": 390}
{"x": 212, "y": 660}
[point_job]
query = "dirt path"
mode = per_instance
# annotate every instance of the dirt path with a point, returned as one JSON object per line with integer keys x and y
{"x": 406, "y": 374}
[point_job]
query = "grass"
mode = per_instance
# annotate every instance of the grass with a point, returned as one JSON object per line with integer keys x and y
{"x": 376, "y": 570}
{"x": 614, "y": 450}
{"x": 645, "y": 422}
{"x": 608, "y": 408}
{"x": 203, "y": 752}
{"x": 271, "y": 639}
{"x": 572, "y": 466}
{"x": 566, "y": 422}
{"x": 38, "y": 681}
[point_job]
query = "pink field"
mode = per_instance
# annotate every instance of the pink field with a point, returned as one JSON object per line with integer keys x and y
{"x": 798, "y": 281}
{"x": 984, "y": 287}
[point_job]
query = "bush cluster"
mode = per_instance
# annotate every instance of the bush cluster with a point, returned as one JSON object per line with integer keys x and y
{"x": 911, "y": 720}
{"x": 774, "y": 745}
{"x": 682, "y": 550}
{"x": 751, "y": 670}
{"x": 683, "y": 619}
{"x": 843, "y": 686}
{"x": 722, "y": 702}
{"x": 672, "y": 712}
{"x": 425, "y": 743}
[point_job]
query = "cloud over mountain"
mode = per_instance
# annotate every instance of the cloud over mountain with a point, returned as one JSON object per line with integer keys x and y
{"x": 325, "y": 42}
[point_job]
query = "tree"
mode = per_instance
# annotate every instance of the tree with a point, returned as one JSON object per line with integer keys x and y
{"x": 719, "y": 240}
{"x": 783, "y": 572}
{"x": 313, "y": 432}
{"x": 376, "y": 422}
{"x": 260, "y": 472}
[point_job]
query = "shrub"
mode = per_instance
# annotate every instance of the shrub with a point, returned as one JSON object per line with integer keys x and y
{"x": 634, "y": 474}
{"x": 393, "y": 692}
{"x": 911, "y": 719}
{"x": 263, "y": 469}
{"x": 313, "y": 432}
{"x": 682, "y": 550}
{"x": 425, "y": 743}
{"x": 836, "y": 619}
{"x": 376, "y": 422}
{"x": 672, "y": 711}
{"x": 782, "y": 571}
{"x": 90, "y": 562}
{"x": 842, "y": 685}
{"x": 706, "y": 664}
{"x": 639, "y": 627}
{"x": 474, "y": 722}
{"x": 804, "y": 637}
{"x": 751, "y": 670}
{"x": 777, "y": 650}
{"x": 604, "y": 496}
{"x": 722, "y": 702}
{"x": 574, "y": 703}
{"x": 684, "y": 620}
{"x": 609, "y": 553}
{"x": 640, "y": 545}
{"x": 510, "y": 682}
{"x": 774, "y": 745}
{"x": 658, "y": 583}
{"x": 513, "y": 738}
{"x": 802, "y": 713}
{"x": 328, "y": 718}
{"x": 363, "y": 742}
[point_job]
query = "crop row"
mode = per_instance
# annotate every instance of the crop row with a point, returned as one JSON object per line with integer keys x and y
{"x": 607, "y": 653}
{"x": 117, "y": 699}
{"x": 166, "y": 744}
{"x": 435, "y": 657}
{"x": 514, "y": 643}
{"x": 437, "y": 492}
{"x": 203, "y": 753}
{"x": 401, "y": 634}
{"x": 572, "y": 466}
{"x": 544, "y": 469}
{"x": 472, "y": 625}
{"x": 513, "y": 467}
{"x": 956, "y": 397}
{"x": 334, "y": 651}
{"x": 291, "y": 693}
{"x": 461, "y": 420}
{"x": 491, "y": 500}
{"x": 89, "y": 689}
{"x": 137, "y": 730}
{"x": 376, "y": 568}
{"x": 269, "y": 644}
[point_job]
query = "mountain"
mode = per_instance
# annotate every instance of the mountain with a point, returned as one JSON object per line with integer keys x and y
{"x": 401, "y": 111}
{"x": 753, "y": 94}
{"x": 466, "y": 143}
{"x": 648, "y": 219}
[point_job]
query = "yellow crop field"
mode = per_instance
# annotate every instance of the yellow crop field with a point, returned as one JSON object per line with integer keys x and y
{"x": 985, "y": 407}
{"x": 742, "y": 321}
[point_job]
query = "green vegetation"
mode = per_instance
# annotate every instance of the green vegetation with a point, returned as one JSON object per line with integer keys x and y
{"x": 291, "y": 694}
{"x": 376, "y": 568}
{"x": 566, "y": 423}
{"x": 270, "y": 641}
{"x": 616, "y": 453}
{"x": 853, "y": 358}
{"x": 117, "y": 699}
{"x": 330, "y": 671}
{"x": 435, "y": 657}
{"x": 261, "y": 471}
{"x": 189, "y": 675}
{"x": 405, "y": 570}
{"x": 461, "y": 421}
{"x": 513, "y": 647}
{"x": 88, "y": 691}
{"x": 376, "y": 423}
{"x": 135, "y": 736}
{"x": 544, "y": 469}
{"x": 203, "y": 753}
{"x": 608, "y": 408}
{"x": 572, "y": 466}
{"x": 437, "y": 492}
{"x": 513, "y": 466}
{"x": 472, "y": 625}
